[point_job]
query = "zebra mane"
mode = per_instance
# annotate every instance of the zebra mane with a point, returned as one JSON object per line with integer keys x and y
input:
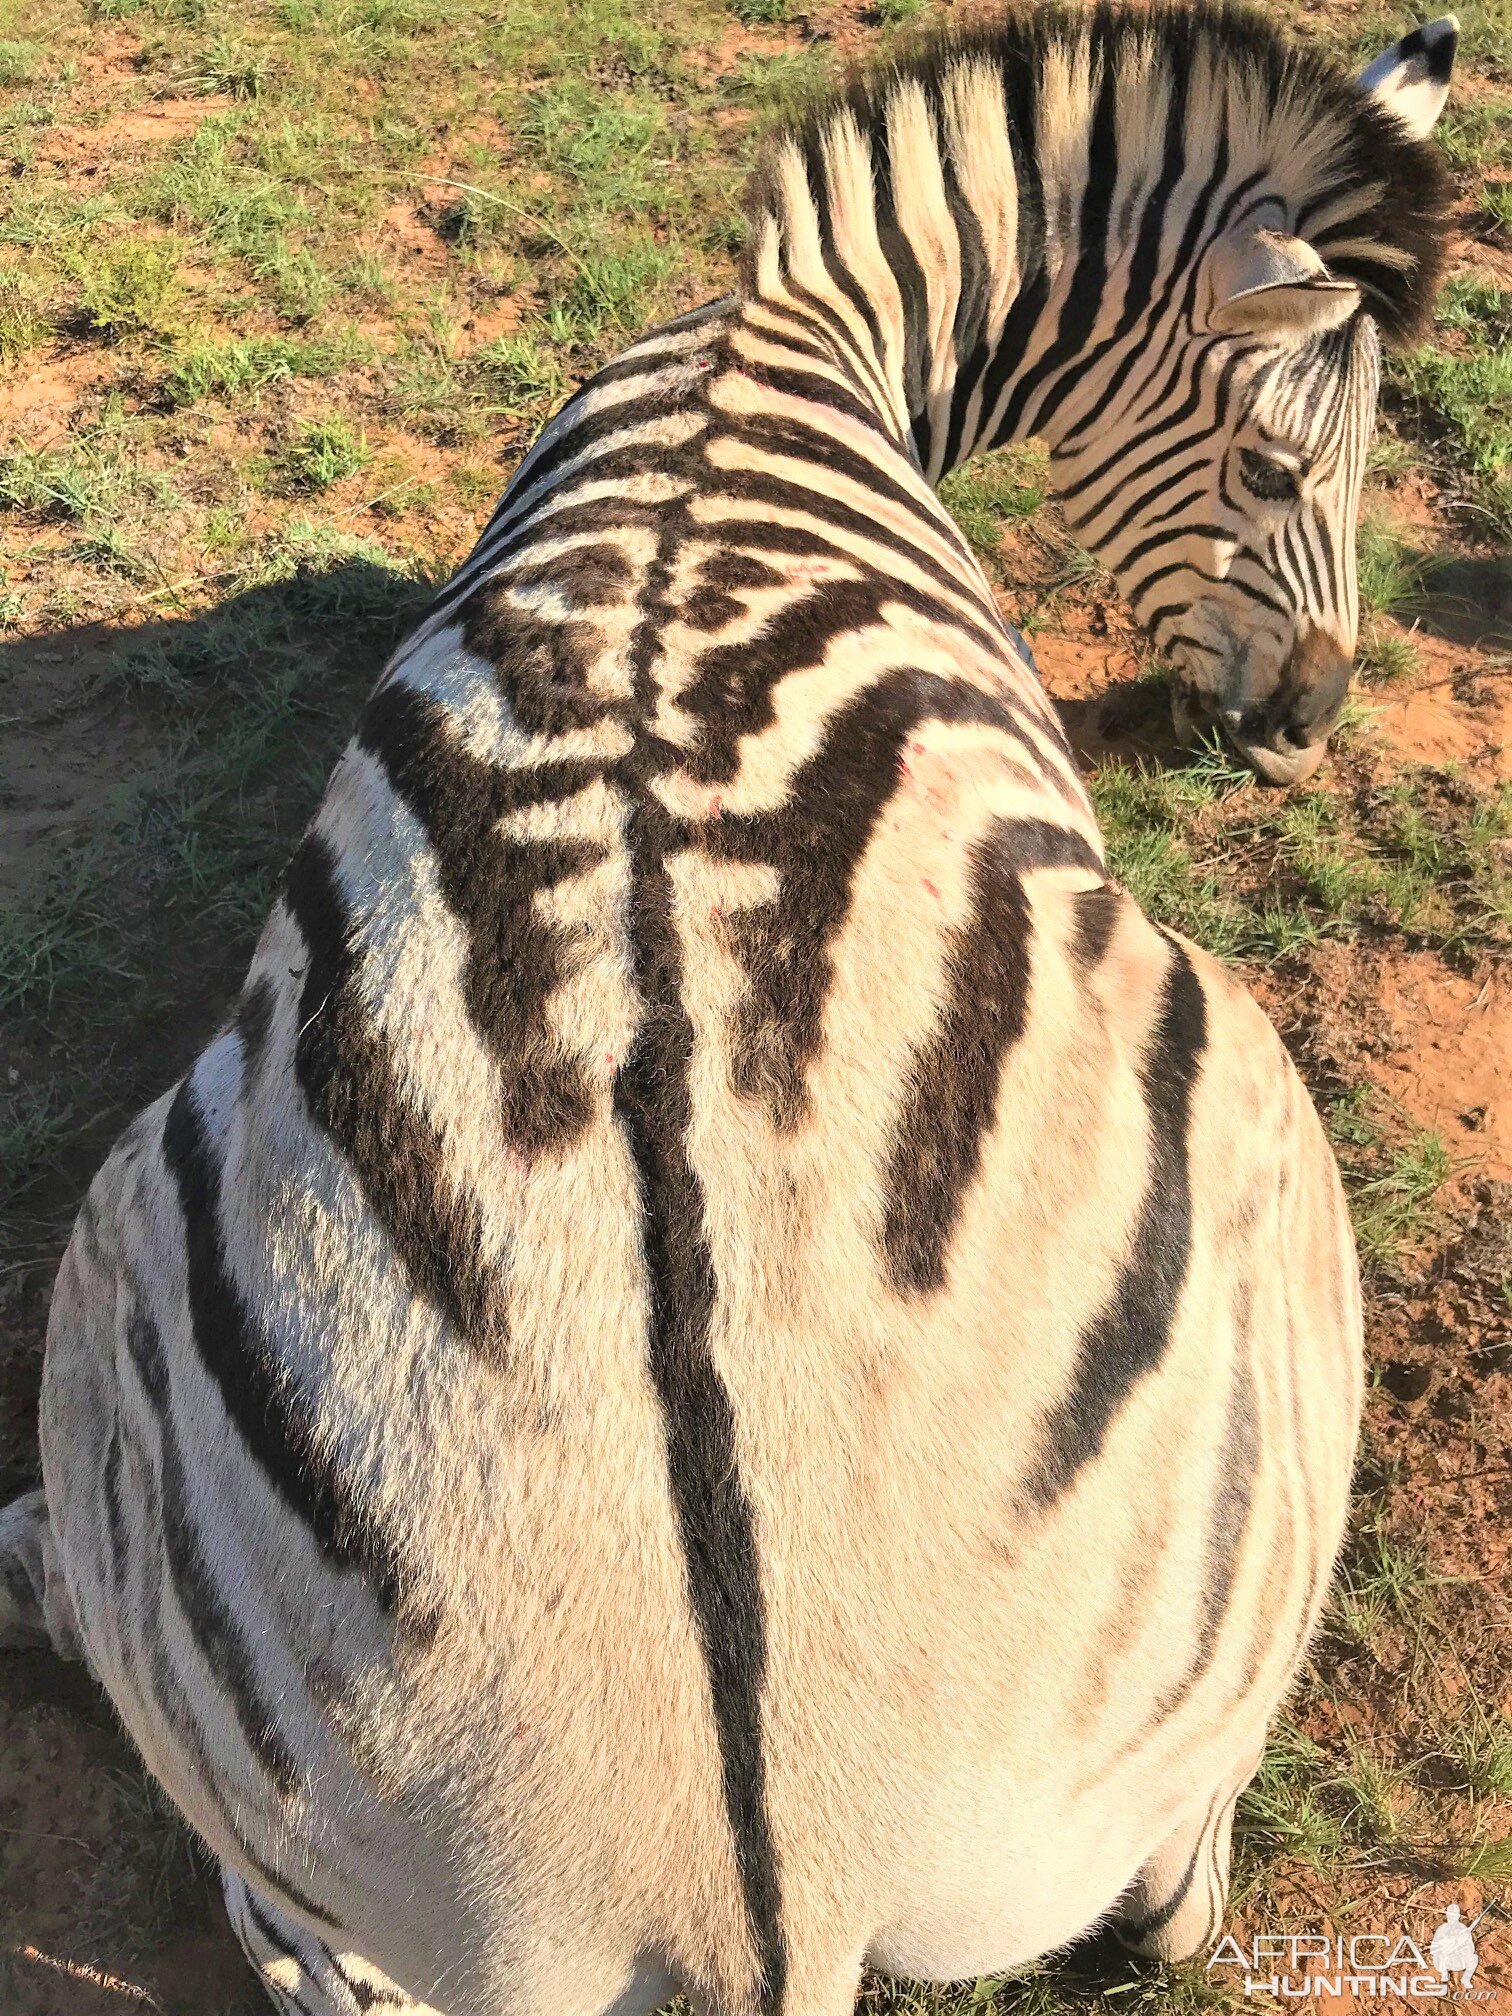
{"x": 1371, "y": 200}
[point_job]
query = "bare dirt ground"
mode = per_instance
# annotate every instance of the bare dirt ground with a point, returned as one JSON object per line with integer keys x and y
{"x": 228, "y": 471}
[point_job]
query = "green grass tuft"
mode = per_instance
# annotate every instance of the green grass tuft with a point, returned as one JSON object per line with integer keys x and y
{"x": 323, "y": 452}
{"x": 1394, "y": 1173}
{"x": 128, "y": 289}
{"x": 23, "y": 324}
{"x": 988, "y": 495}
{"x": 1390, "y": 573}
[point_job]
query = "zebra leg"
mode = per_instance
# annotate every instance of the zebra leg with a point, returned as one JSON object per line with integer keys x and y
{"x": 35, "y": 1608}
{"x": 1174, "y": 1908}
{"x": 299, "y": 1971}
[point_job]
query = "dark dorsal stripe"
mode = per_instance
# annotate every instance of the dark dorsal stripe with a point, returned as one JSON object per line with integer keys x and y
{"x": 716, "y": 1521}
{"x": 263, "y": 1403}
{"x": 1128, "y": 1338}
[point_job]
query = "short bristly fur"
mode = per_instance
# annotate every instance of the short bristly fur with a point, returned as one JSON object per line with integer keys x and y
{"x": 732, "y": 1367}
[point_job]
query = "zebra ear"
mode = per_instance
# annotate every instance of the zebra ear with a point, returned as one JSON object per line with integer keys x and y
{"x": 1267, "y": 284}
{"x": 1411, "y": 78}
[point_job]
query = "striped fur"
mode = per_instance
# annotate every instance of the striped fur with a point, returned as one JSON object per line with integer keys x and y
{"x": 732, "y": 1366}
{"x": 1146, "y": 238}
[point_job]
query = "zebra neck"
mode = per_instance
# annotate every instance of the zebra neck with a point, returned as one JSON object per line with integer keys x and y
{"x": 973, "y": 289}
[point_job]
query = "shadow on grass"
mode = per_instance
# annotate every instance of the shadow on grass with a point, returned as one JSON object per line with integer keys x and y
{"x": 1128, "y": 721}
{"x": 1467, "y": 600}
{"x": 153, "y": 784}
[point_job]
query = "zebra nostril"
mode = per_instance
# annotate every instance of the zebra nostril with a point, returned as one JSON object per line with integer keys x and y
{"x": 1312, "y": 696}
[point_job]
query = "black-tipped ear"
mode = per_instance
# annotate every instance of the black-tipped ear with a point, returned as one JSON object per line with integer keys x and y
{"x": 1410, "y": 80}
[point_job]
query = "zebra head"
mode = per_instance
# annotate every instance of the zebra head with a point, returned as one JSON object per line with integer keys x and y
{"x": 1223, "y": 491}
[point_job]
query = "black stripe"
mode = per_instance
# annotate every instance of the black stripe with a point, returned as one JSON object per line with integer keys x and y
{"x": 1130, "y": 1335}
{"x": 576, "y": 430}
{"x": 516, "y": 956}
{"x": 793, "y": 382}
{"x": 544, "y": 669}
{"x": 1084, "y": 298}
{"x": 855, "y": 361}
{"x": 732, "y": 691}
{"x": 356, "y": 1093}
{"x": 263, "y": 1405}
{"x": 971, "y": 302}
{"x": 212, "y": 1624}
{"x": 115, "y": 1530}
{"x": 1228, "y": 1521}
{"x": 1158, "y": 435}
{"x": 716, "y": 1522}
{"x": 913, "y": 290}
{"x": 592, "y": 575}
{"x": 1142, "y": 296}
{"x": 1136, "y": 1930}
{"x": 364, "y": 1994}
{"x": 1233, "y": 1493}
{"x": 1038, "y": 843}
{"x": 170, "y": 1708}
{"x": 783, "y": 493}
{"x": 952, "y": 1099}
{"x": 784, "y": 434}
{"x": 1094, "y": 917}
{"x": 815, "y": 839}
{"x": 281, "y": 1946}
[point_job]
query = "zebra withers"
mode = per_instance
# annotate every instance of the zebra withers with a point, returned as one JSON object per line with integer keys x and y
{"x": 732, "y": 1367}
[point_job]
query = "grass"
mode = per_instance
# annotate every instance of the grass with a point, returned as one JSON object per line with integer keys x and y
{"x": 23, "y": 325}
{"x": 152, "y": 1873}
{"x": 1394, "y": 1174}
{"x": 321, "y": 453}
{"x": 1422, "y": 857}
{"x": 1283, "y": 1808}
{"x": 306, "y": 277}
{"x": 988, "y": 496}
{"x": 129, "y": 289}
{"x": 1461, "y": 398}
{"x": 1157, "y": 825}
{"x": 1390, "y": 580}
{"x": 760, "y": 13}
{"x": 204, "y": 368}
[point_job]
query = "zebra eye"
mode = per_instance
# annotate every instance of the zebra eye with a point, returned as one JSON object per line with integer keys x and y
{"x": 1264, "y": 477}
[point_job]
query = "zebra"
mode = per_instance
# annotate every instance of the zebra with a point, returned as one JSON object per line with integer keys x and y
{"x": 732, "y": 1368}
